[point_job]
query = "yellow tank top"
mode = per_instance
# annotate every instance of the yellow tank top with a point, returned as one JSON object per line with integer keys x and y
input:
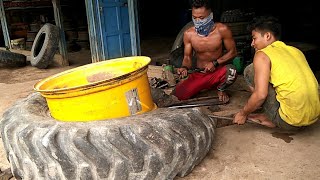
{"x": 294, "y": 83}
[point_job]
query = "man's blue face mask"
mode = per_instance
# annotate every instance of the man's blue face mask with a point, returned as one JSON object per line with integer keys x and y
{"x": 204, "y": 26}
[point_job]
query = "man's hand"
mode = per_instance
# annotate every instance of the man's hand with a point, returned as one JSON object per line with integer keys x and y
{"x": 240, "y": 118}
{"x": 183, "y": 72}
{"x": 209, "y": 67}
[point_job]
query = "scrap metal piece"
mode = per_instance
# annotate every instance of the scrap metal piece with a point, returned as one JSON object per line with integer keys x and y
{"x": 231, "y": 119}
{"x": 196, "y": 102}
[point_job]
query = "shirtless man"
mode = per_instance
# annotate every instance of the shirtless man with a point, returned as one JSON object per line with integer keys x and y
{"x": 207, "y": 39}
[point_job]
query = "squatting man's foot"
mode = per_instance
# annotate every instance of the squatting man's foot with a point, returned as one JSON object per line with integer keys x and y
{"x": 223, "y": 96}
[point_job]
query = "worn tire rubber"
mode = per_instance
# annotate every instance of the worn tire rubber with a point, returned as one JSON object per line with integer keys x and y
{"x": 44, "y": 46}
{"x": 12, "y": 59}
{"x": 160, "y": 144}
{"x": 178, "y": 42}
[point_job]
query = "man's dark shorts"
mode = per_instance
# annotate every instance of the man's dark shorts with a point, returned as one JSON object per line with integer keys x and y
{"x": 271, "y": 106}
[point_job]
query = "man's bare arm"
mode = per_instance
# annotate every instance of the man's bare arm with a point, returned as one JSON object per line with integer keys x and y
{"x": 229, "y": 44}
{"x": 262, "y": 67}
{"x": 187, "y": 58}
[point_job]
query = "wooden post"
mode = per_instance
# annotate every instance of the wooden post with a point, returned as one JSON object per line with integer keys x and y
{"x": 4, "y": 26}
{"x": 59, "y": 23}
{"x": 94, "y": 29}
{"x": 134, "y": 28}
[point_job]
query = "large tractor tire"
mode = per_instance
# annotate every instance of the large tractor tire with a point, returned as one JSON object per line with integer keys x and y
{"x": 160, "y": 144}
{"x": 45, "y": 46}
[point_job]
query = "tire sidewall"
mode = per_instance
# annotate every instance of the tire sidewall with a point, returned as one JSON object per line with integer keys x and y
{"x": 47, "y": 49}
{"x": 12, "y": 59}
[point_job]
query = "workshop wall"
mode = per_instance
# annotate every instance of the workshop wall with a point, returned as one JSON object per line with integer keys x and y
{"x": 25, "y": 18}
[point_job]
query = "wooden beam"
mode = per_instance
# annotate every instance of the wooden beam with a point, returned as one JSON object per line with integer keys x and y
{"x": 4, "y": 26}
{"x": 59, "y": 23}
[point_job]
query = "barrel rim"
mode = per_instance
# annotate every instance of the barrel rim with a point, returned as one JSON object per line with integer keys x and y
{"x": 93, "y": 84}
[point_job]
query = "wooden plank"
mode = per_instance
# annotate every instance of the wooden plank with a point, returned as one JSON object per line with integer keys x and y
{"x": 4, "y": 25}
{"x": 134, "y": 27}
{"x": 62, "y": 42}
{"x": 94, "y": 29}
{"x": 155, "y": 71}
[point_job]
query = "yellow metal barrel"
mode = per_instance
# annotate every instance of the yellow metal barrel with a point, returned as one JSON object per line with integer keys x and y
{"x": 104, "y": 90}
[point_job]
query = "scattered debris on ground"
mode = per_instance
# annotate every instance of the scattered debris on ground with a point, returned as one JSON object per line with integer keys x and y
{"x": 5, "y": 174}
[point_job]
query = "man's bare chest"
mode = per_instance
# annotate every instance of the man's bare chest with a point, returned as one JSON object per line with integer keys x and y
{"x": 206, "y": 44}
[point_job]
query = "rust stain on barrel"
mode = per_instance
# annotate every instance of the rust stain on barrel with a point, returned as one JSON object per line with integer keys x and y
{"x": 99, "y": 77}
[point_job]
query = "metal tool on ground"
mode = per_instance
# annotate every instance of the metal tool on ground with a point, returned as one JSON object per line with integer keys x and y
{"x": 231, "y": 119}
{"x": 196, "y": 102}
{"x": 190, "y": 105}
{"x": 190, "y": 71}
{"x": 202, "y": 70}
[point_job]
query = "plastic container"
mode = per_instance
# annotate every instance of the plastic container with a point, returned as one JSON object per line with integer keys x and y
{"x": 104, "y": 90}
{"x": 239, "y": 64}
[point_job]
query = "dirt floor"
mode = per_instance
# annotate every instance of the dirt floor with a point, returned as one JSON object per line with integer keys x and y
{"x": 248, "y": 151}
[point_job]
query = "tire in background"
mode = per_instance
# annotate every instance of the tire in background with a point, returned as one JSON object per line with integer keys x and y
{"x": 179, "y": 38}
{"x": 177, "y": 50}
{"x": 160, "y": 144}
{"x": 12, "y": 59}
{"x": 44, "y": 46}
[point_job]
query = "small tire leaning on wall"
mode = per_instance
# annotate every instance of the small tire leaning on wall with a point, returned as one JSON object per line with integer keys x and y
{"x": 12, "y": 59}
{"x": 45, "y": 46}
{"x": 160, "y": 144}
